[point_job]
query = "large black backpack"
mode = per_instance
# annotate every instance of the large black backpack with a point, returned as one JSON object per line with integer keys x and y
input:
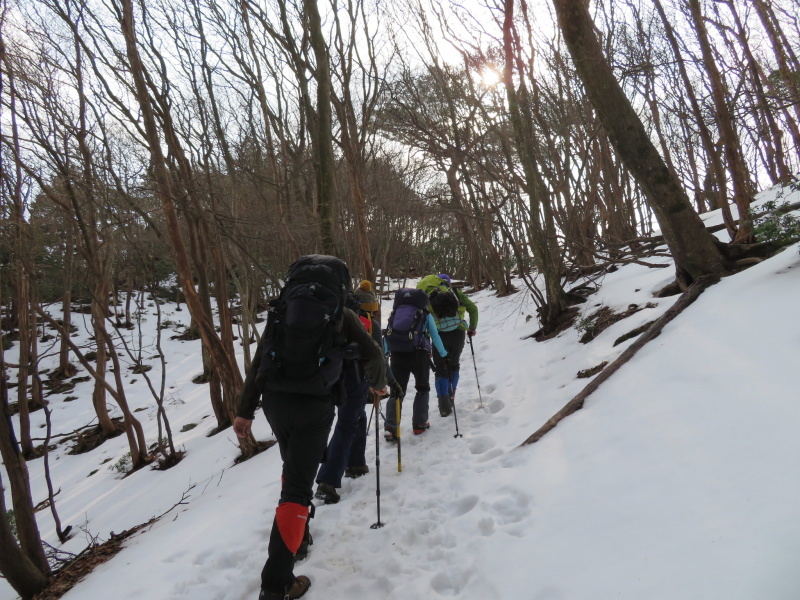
{"x": 406, "y": 327}
{"x": 303, "y": 345}
{"x": 444, "y": 303}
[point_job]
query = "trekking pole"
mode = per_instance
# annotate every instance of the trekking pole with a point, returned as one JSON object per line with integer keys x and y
{"x": 399, "y": 454}
{"x": 377, "y": 524}
{"x": 452, "y": 400}
{"x": 478, "y": 381}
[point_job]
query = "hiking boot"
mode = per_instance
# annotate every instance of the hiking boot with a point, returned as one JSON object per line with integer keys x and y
{"x": 445, "y": 406}
{"x": 298, "y": 588}
{"x": 389, "y": 436}
{"x": 356, "y": 471}
{"x": 421, "y": 428}
{"x": 327, "y": 493}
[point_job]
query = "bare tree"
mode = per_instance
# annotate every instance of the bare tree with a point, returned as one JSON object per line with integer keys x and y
{"x": 692, "y": 247}
{"x": 355, "y": 100}
{"x": 24, "y": 575}
{"x": 740, "y": 178}
{"x": 25, "y": 565}
{"x": 547, "y": 252}
{"x": 228, "y": 371}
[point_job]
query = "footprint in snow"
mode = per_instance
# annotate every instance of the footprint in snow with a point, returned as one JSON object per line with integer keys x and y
{"x": 491, "y": 454}
{"x": 481, "y": 444}
{"x": 495, "y": 406}
{"x": 465, "y": 505}
{"x": 486, "y": 526}
{"x": 511, "y": 507}
{"x": 444, "y": 585}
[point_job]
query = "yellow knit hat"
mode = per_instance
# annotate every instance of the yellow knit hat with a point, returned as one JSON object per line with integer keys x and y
{"x": 365, "y": 285}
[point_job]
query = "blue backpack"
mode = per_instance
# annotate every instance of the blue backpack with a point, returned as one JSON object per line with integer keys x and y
{"x": 303, "y": 347}
{"x": 406, "y": 327}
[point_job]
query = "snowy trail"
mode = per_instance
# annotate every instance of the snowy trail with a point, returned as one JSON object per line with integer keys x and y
{"x": 426, "y": 505}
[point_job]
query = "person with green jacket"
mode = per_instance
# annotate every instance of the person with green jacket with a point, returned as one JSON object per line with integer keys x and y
{"x": 452, "y": 330}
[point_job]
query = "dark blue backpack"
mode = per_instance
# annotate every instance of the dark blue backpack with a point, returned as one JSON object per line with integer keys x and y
{"x": 303, "y": 346}
{"x": 406, "y": 327}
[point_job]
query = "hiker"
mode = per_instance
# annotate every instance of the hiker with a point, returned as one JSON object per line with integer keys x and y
{"x": 409, "y": 333}
{"x": 346, "y": 452}
{"x": 297, "y": 370}
{"x": 368, "y": 311}
{"x": 449, "y": 306}
{"x": 368, "y": 308}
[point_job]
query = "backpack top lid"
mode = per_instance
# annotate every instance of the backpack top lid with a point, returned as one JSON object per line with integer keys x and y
{"x": 329, "y": 271}
{"x": 444, "y": 303}
{"x": 411, "y": 296}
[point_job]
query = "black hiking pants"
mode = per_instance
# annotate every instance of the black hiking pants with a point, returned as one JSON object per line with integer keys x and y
{"x": 301, "y": 425}
{"x": 405, "y": 364}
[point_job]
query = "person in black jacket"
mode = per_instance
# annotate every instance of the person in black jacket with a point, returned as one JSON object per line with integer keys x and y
{"x": 301, "y": 424}
{"x": 345, "y": 455}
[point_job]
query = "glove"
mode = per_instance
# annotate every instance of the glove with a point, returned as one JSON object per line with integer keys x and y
{"x": 471, "y": 332}
{"x": 396, "y": 390}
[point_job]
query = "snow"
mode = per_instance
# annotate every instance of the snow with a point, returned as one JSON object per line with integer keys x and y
{"x": 680, "y": 477}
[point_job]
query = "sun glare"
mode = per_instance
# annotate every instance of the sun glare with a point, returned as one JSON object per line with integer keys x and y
{"x": 490, "y": 77}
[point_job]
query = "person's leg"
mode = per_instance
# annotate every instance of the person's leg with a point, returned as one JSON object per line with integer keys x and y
{"x": 402, "y": 364}
{"x": 455, "y": 346}
{"x": 345, "y": 431}
{"x": 359, "y": 449}
{"x": 443, "y": 368}
{"x": 301, "y": 426}
{"x": 422, "y": 374}
{"x": 456, "y": 341}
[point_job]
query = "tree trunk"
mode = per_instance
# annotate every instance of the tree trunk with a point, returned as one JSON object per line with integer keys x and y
{"x": 323, "y": 135}
{"x": 23, "y": 375}
{"x": 133, "y": 428}
{"x": 27, "y": 529}
{"x": 65, "y": 368}
{"x": 355, "y": 170}
{"x": 231, "y": 397}
{"x": 99, "y": 312}
{"x": 21, "y": 572}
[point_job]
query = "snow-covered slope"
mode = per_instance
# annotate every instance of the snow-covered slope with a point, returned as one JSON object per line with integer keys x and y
{"x": 680, "y": 478}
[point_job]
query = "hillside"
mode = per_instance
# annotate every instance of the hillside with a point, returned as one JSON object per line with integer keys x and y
{"x": 679, "y": 478}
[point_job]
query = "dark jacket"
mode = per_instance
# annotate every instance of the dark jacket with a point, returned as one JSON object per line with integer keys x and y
{"x": 371, "y": 358}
